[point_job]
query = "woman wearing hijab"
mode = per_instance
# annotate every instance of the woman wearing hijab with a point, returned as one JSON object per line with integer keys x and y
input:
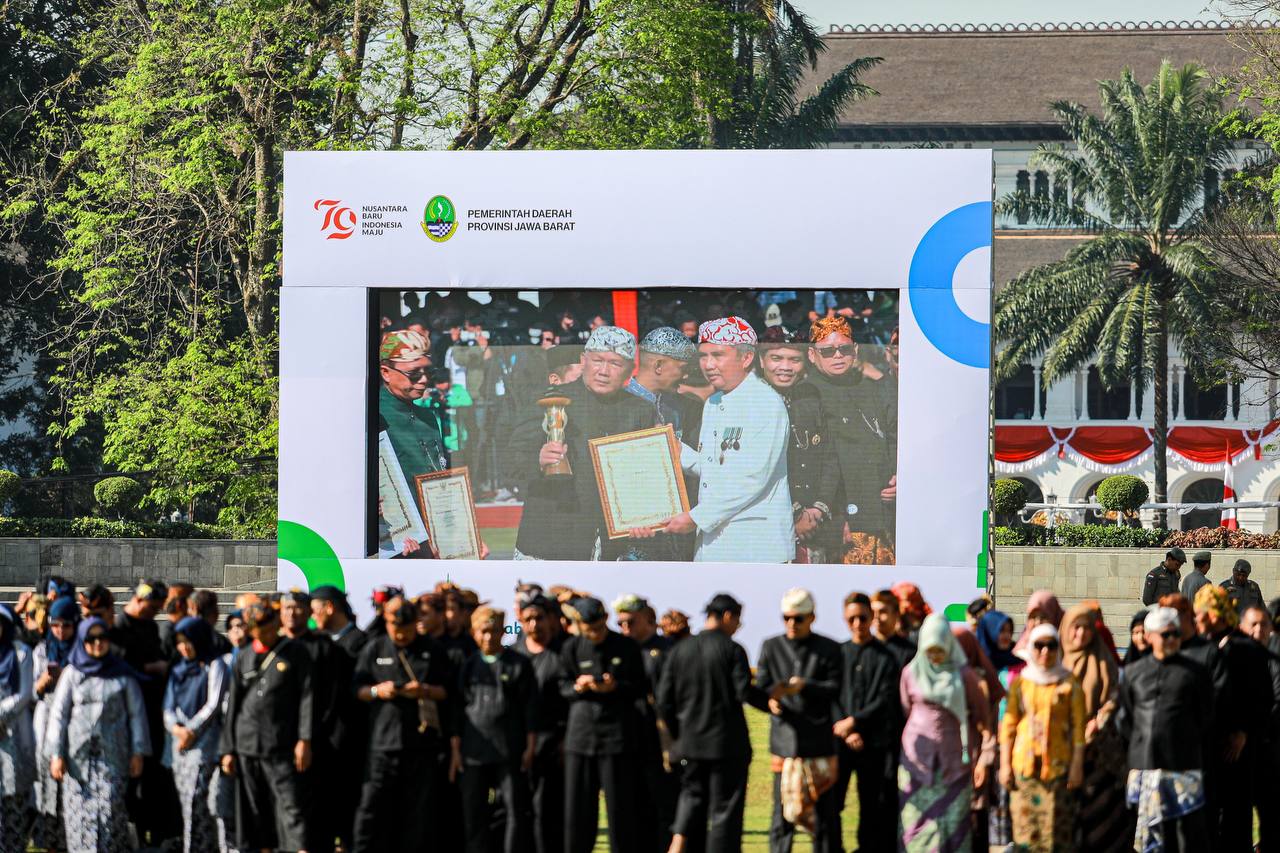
{"x": 912, "y": 608}
{"x": 1138, "y": 645}
{"x": 995, "y": 635}
{"x": 193, "y": 724}
{"x": 1042, "y": 746}
{"x": 1086, "y": 654}
{"x": 48, "y": 661}
{"x": 98, "y": 738}
{"x": 946, "y": 714}
{"x": 17, "y": 743}
{"x": 1042, "y": 609}
{"x": 987, "y": 756}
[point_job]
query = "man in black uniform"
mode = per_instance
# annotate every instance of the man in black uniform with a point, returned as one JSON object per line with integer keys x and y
{"x": 459, "y": 604}
{"x": 1257, "y": 623}
{"x": 868, "y": 694}
{"x": 886, "y": 625}
{"x": 493, "y": 742}
{"x": 800, "y": 672}
{"x": 812, "y": 473}
{"x": 1167, "y": 703}
{"x": 562, "y": 518}
{"x": 332, "y": 614}
{"x": 327, "y": 676}
{"x": 638, "y": 621}
{"x": 541, "y": 641}
{"x": 603, "y": 679}
{"x": 152, "y": 799}
{"x": 1244, "y": 592}
{"x": 401, "y": 675}
{"x": 1244, "y": 722}
{"x": 704, "y": 684}
{"x": 1165, "y": 578}
{"x": 266, "y": 736}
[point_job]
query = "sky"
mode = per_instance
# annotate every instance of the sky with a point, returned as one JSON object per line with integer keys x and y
{"x": 826, "y": 12}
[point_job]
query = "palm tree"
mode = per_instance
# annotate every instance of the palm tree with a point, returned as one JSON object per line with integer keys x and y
{"x": 775, "y": 47}
{"x": 1135, "y": 181}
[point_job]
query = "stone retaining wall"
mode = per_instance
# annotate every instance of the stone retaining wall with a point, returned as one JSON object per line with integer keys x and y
{"x": 221, "y": 563}
{"x": 1114, "y": 576}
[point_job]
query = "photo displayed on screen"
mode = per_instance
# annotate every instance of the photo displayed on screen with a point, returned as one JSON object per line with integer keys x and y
{"x": 662, "y": 425}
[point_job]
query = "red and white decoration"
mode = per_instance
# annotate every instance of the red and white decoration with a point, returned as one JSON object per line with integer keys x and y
{"x": 726, "y": 330}
{"x": 1228, "y": 494}
{"x": 1113, "y": 449}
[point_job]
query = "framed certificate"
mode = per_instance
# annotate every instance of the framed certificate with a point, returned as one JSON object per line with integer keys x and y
{"x": 641, "y": 484}
{"x": 399, "y": 518}
{"x": 450, "y": 513}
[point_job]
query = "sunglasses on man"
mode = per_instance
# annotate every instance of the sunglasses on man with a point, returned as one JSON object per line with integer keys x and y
{"x": 830, "y": 352}
{"x": 1047, "y": 645}
{"x": 414, "y": 376}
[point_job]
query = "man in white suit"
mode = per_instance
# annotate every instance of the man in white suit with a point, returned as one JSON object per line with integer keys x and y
{"x": 743, "y": 511}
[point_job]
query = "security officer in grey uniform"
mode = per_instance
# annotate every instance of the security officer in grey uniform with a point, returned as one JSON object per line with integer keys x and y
{"x": 1198, "y": 576}
{"x": 1244, "y": 592}
{"x": 1164, "y": 578}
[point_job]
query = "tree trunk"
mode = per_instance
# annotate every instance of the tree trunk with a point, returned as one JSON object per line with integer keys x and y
{"x": 261, "y": 282}
{"x": 1160, "y": 417}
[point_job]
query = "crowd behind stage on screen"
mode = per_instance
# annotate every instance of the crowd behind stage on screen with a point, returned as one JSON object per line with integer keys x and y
{"x": 284, "y": 725}
{"x": 808, "y": 428}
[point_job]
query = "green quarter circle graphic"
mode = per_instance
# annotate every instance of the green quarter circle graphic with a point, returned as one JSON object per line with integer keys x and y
{"x": 308, "y": 550}
{"x": 439, "y": 219}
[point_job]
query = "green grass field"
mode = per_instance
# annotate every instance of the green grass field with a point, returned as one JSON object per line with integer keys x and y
{"x": 755, "y": 834}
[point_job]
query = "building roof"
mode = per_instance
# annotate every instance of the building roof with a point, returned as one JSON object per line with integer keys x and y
{"x": 992, "y": 83}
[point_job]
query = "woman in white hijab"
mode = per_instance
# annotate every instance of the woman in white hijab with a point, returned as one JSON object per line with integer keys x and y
{"x": 946, "y": 715}
{"x": 1042, "y": 746}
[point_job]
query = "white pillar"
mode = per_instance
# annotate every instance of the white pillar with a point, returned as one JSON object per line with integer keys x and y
{"x": 1229, "y": 415}
{"x": 1179, "y": 372}
{"x": 1133, "y": 401}
{"x": 1036, "y": 414}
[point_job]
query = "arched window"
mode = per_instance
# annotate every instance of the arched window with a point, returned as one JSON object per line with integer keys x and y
{"x": 1034, "y": 494}
{"x": 1210, "y": 186}
{"x": 1107, "y": 404}
{"x": 1015, "y": 397}
{"x": 1207, "y": 490}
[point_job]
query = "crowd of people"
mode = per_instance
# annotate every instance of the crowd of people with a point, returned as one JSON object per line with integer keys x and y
{"x": 292, "y": 728}
{"x": 788, "y": 438}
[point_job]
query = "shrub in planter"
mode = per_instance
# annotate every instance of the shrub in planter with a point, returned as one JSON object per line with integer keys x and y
{"x": 9, "y": 485}
{"x": 1122, "y": 493}
{"x": 118, "y": 495}
{"x": 1008, "y": 497}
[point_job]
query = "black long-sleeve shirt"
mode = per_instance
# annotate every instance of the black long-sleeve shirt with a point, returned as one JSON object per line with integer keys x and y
{"x": 394, "y": 723}
{"x": 1167, "y": 705}
{"x": 1245, "y": 661}
{"x": 270, "y": 705}
{"x": 869, "y": 689}
{"x": 705, "y": 682}
{"x": 803, "y": 730}
{"x": 603, "y": 723}
{"x": 496, "y": 707}
{"x": 553, "y": 710}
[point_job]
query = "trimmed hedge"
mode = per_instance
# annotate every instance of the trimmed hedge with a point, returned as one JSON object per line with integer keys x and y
{"x": 1109, "y": 536}
{"x": 118, "y": 494}
{"x": 102, "y": 528}
{"x": 1008, "y": 497}
{"x": 1122, "y": 493}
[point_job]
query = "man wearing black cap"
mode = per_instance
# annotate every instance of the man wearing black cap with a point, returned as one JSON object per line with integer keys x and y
{"x": 330, "y": 673}
{"x": 603, "y": 679}
{"x": 1244, "y": 592}
{"x": 266, "y": 736}
{"x": 401, "y": 676}
{"x": 541, "y": 641}
{"x": 152, "y": 798}
{"x": 1198, "y": 576}
{"x": 1165, "y": 578}
{"x": 332, "y": 614}
{"x": 704, "y": 684}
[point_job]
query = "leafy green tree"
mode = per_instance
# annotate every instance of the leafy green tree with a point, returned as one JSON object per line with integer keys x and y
{"x": 1135, "y": 175}
{"x": 118, "y": 495}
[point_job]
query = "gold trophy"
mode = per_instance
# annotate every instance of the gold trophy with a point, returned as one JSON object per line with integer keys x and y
{"x": 553, "y": 424}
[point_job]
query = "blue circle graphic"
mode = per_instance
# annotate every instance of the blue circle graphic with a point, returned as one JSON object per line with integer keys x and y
{"x": 930, "y": 284}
